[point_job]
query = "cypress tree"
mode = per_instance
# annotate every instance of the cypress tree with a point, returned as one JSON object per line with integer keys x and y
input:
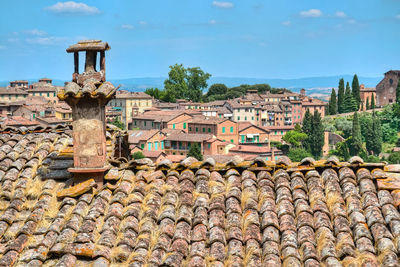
{"x": 372, "y": 102}
{"x": 355, "y": 87}
{"x": 340, "y": 98}
{"x": 367, "y": 104}
{"x": 317, "y": 135}
{"x": 307, "y": 128}
{"x": 377, "y": 132}
{"x": 398, "y": 93}
{"x": 332, "y": 103}
{"x": 350, "y": 103}
{"x": 356, "y": 144}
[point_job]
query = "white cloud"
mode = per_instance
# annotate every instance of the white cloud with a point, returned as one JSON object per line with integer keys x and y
{"x": 36, "y": 32}
{"x": 71, "y": 7}
{"x": 313, "y": 13}
{"x": 142, "y": 22}
{"x": 340, "y": 14}
{"x": 127, "y": 27}
{"x": 398, "y": 16}
{"x": 286, "y": 23}
{"x": 50, "y": 40}
{"x": 223, "y": 4}
{"x": 212, "y": 22}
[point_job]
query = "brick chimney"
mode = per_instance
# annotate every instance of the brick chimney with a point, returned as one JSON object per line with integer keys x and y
{"x": 87, "y": 95}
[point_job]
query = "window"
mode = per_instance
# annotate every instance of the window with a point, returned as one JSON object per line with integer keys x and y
{"x": 145, "y": 123}
{"x": 197, "y": 129}
{"x": 232, "y": 141}
{"x": 156, "y": 146}
{"x": 245, "y": 118}
{"x": 223, "y": 129}
{"x": 275, "y": 132}
{"x": 204, "y": 130}
{"x": 209, "y": 146}
{"x": 149, "y": 146}
{"x": 142, "y": 146}
{"x": 135, "y": 123}
{"x": 190, "y": 129}
{"x": 281, "y": 132}
{"x": 252, "y": 118}
{"x": 162, "y": 145}
{"x": 231, "y": 129}
{"x": 48, "y": 94}
{"x": 152, "y": 124}
{"x": 209, "y": 130}
{"x": 184, "y": 125}
{"x": 173, "y": 126}
{"x": 238, "y": 118}
{"x": 242, "y": 138}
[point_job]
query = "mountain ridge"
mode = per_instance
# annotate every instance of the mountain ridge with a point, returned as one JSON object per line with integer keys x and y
{"x": 320, "y": 84}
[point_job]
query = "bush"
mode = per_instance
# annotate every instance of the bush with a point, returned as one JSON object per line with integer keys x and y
{"x": 297, "y": 154}
{"x": 138, "y": 155}
{"x": 394, "y": 158}
{"x": 195, "y": 152}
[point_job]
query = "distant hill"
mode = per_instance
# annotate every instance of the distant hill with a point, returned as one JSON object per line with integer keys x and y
{"x": 321, "y": 85}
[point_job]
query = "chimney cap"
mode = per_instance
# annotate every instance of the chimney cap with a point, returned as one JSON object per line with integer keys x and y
{"x": 88, "y": 45}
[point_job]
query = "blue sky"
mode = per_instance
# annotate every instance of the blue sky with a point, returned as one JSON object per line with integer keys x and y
{"x": 252, "y": 38}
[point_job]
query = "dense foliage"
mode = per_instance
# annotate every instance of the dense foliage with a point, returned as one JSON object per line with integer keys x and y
{"x": 182, "y": 83}
{"x": 118, "y": 123}
{"x": 138, "y": 155}
{"x": 195, "y": 152}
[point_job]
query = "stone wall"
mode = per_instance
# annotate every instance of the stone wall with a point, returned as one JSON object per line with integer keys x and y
{"x": 386, "y": 89}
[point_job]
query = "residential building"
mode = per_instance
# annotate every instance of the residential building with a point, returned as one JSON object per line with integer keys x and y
{"x": 277, "y": 132}
{"x": 223, "y": 129}
{"x": 179, "y": 144}
{"x": 63, "y": 112}
{"x": 22, "y": 84}
{"x": 313, "y": 104}
{"x": 131, "y": 104}
{"x": 366, "y": 95}
{"x": 242, "y": 112}
{"x": 11, "y": 94}
{"x": 250, "y": 134}
{"x": 45, "y": 89}
{"x": 386, "y": 88}
{"x": 147, "y": 140}
{"x": 160, "y": 120}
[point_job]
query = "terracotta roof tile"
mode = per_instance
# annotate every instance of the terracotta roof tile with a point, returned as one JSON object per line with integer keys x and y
{"x": 238, "y": 213}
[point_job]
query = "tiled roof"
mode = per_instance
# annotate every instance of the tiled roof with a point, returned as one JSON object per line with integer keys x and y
{"x": 189, "y": 137}
{"x": 238, "y": 213}
{"x": 12, "y": 90}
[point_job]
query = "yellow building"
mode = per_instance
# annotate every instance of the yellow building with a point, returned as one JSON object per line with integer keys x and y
{"x": 63, "y": 112}
{"x": 131, "y": 104}
{"x": 44, "y": 88}
{"x": 11, "y": 94}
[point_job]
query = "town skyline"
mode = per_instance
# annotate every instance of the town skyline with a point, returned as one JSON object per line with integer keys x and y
{"x": 270, "y": 40}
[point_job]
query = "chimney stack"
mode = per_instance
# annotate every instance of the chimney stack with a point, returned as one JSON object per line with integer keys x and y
{"x": 87, "y": 95}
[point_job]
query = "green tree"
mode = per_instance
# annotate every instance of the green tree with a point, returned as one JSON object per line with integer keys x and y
{"x": 350, "y": 103}
{"x": 118, "y": 123}
{"x": 356, "y": 142}
{"x": 307, "y": 129}
{"x": 355, "y": 87}
{"x": 373, "y": 139}
{"x": 317, "y": 135}
{"x": 372, "y": 102}
{"x": 367, "y": 104}
{"x": 342, "y": 151}
{"x": 333, "y": 103}
{"x": 154, "y": 92}
{"x": 340, "y": 98}
{"x": 175, "y": 86}
{"x": 294, "y": 138}
{"x": 217, "y": 89}
{"x": 297, "y": 154}
{"x": 344, "y": 125}
{"x": 197, "y": 81}
{"x": 138, "y": 155}
{"x": 195, "y": 152}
